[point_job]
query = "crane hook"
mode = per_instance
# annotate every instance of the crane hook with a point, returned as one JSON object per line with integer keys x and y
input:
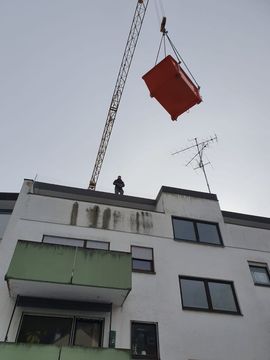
{"x": 163, "y": 24}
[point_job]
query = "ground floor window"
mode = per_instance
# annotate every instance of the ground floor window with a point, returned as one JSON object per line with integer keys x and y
{"x": 37, "y": 329}
{"x": 144, "y": 342}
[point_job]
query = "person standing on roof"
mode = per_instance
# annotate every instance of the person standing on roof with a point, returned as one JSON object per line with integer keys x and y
{"x": 118, "y": 186}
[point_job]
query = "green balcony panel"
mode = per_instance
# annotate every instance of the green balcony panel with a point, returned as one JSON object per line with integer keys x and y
{"x": 42, "y": 262}
{"x": 11, "y": 351}
{"x": 66, "y": 272}
{"x": 102, "y": 268}
{"x": 80, "y": 353}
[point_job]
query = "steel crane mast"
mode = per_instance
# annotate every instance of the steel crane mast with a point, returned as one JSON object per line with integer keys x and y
{"x": 119, "y": 87}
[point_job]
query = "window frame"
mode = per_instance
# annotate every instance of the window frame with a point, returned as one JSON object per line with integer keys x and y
{"x": 196, "y": 231}
{"x": 85, "y": 241}
{"x": 152, "y": 271}
{"x": 208, "y": 295}
{"x": 74, "y": 319}
{"x": 262, "y": 266}
{"x": 142, "y": 357}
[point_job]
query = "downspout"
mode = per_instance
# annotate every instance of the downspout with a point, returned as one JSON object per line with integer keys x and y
{"x": 14, "y": 308}
{"x": 73, "y": 266}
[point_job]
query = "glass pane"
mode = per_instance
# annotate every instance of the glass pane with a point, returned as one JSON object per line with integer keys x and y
{"x": 260, "y": 275}
{"x": 184, "y": 230}
{"x": 62, "y": 241}
{"x": 144, "y": 265}
{"x": 193, "y": 293}
{"x": 88, "y": 333}
{"x": 222, "y": 297}
{"x": 91, "y": 244}
{"x": 45, "y": 330}
{"x": 208, "y": 233}
{"x": 144, "y": 340}
{"x": 142, "y": 253}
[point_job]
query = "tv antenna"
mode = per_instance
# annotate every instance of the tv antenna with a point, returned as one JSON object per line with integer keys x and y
{"x": 198, "y": 157}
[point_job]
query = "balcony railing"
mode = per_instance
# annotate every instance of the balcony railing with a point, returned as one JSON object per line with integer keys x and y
{"x": 12, "y": 351}
{"x": 70, "y": 273}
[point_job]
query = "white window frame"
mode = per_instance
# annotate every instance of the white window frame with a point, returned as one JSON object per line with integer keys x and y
{"x": 69, "y": 241}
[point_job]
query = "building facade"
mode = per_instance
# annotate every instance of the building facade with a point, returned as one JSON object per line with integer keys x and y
{"x": 92, "y": 275}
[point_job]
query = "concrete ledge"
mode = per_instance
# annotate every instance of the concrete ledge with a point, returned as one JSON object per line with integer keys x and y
{"x": 246, "y": 220}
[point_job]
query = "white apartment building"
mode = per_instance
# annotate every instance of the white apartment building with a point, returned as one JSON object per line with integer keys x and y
{"x": 92, "y": 275}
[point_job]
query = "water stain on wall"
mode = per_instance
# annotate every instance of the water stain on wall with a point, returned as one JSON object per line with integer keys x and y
{"x": 93, "y": 214}
{"x": 147, "y": 221}
{"x": 106, "y": 218}
{"x": 141, "y": 222}
{"x": 116, "y": 218}
{"x": 74, "y": 214}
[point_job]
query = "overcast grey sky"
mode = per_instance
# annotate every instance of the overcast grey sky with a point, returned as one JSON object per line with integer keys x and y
{"x": 58, "y": 65}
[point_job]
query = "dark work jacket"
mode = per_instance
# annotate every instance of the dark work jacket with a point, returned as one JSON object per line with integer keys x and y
{"x": 119, "y": 183}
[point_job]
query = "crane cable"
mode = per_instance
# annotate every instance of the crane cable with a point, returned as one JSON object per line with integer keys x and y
{"x": 159, "y": 7}
{"x": 160, "y": 12}
{"x": 176, "y": 52}
{"x": 180, "y": 59}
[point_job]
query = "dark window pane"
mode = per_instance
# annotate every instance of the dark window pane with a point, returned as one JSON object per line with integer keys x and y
{"x": 193, "y": 293}
{"x": 208, "y": 233}
{"x": 45, "y": 330}
{"x": 88, "y": 333}
{"x": 184, "y": 230}
{"x": 62, "y": 241}
{"x": 144, "y": 340}
{"x": 91, "y": 244}
{"x": 142, "y": 253}
{"x": 222, "y": 297}
{"x": 144, "y": 265}
{"x": 260, "y": 275}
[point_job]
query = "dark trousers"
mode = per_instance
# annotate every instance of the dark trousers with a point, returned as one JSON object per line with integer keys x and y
{"x": 118, "y": 191}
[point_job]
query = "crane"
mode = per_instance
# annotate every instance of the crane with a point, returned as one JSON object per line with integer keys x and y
{"x": 133, "y": 36}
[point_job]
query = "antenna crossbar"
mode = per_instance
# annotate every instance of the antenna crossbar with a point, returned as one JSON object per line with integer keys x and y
{"x": 200, "y": 146}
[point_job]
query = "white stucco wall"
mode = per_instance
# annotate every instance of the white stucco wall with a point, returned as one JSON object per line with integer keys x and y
{"x": 156, "y": 297}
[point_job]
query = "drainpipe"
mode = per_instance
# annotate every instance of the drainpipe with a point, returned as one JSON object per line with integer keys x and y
{"x": 14, "y": 308}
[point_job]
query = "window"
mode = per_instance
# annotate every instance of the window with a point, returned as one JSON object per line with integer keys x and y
{"x": 102, "y": 245}
{"x": 208, "y": 295}
{"x": 260, "y": 274}
{"x": 55, "y": 330}
{"x": 144, "y": 344}
{"x": 196, "y": 231}
{"x": 142, "y": 259}
{"x": 91, "y": 244}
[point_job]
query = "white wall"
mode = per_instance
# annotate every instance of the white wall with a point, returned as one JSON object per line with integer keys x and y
{"x": 156, "y": 298}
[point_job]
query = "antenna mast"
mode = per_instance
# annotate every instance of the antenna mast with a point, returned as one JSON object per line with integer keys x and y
{"x": 198, "y": 157}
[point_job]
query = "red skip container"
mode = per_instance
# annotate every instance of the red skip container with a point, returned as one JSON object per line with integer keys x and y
{"x": 172, "y": 87}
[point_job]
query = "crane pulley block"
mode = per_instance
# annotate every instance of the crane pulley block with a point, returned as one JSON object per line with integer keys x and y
{"x": 172, "y": 87}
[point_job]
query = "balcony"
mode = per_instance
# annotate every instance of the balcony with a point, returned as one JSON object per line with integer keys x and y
{"x": 70, "y": 273}
{"x": 11, "y": 351}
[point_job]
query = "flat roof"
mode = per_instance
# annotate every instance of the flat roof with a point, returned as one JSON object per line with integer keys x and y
{"x": 99, "y": 197}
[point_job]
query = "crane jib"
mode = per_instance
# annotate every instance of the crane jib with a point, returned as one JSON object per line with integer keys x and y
{"x": 133, "y": 36}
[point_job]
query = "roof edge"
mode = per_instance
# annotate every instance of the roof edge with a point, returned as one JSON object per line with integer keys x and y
{"x": 245, "y": 217}
{"x": 186, "y": 192}
{"x": 8, "y": 196}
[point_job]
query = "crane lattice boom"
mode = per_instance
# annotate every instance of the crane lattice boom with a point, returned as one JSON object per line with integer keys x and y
{"x": 119, "y": 87}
